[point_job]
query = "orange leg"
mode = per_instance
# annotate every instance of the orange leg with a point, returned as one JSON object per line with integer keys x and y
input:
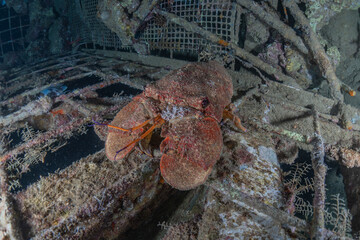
{"x": 143, "y": 145}
{"x": 158, "y": 121}
{"x": 131, "y": 129}
{"x": 236, "y": 120}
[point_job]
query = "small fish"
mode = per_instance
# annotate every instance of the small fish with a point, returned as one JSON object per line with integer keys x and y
{"x": 54, "y": 91}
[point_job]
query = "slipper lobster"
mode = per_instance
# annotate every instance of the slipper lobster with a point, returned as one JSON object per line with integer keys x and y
{"x": 188, "y": 105}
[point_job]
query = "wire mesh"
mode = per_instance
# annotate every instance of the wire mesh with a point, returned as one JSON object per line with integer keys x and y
{"x": 159, "y": 34}
{"x": 85, "y": 25}
{"x": 12, "y": 31}
{"x": 214, "y": 16}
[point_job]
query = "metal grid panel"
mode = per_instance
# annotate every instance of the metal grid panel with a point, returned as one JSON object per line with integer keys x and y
{"x": 215, "y": 16}
{"x": 98, "y": 33}
{"x": 77, "y": 23}
{"x": 12, "y": 31}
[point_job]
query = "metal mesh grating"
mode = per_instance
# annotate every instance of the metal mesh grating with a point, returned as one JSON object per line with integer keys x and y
{"x": 12, "y": 31}
{"x": 215, "y": 16}
{"x": 90, "y": 29}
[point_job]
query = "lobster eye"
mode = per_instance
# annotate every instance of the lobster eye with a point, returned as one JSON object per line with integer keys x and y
{"x": 205, "y": 102}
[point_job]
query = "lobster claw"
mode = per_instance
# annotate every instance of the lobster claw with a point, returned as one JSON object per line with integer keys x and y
{"x": 117, "y": 142}
{"x": 190, "y": 149}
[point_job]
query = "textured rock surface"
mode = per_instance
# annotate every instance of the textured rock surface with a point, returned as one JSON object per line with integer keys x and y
{"x": 342, "y": 31}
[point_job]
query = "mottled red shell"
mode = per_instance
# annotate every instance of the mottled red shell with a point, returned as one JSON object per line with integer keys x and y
{"x": 192, "y": 140}
{"x": 191, "y": 84}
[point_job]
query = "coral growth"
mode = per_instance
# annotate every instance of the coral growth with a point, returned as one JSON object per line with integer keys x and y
{"x": 66, "y": 203}
{"x": 349, "y": 157}
{"x": 320, "y": 12}
{"x": 274, "y": 55}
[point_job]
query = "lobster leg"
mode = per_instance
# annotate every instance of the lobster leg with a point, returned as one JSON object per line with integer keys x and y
{"x": 228, "y": 114}
{"x": 131, "y": 129}
{"x": 158, "y": 121}
{"x": 122, "y": 135}
{"x": 143, "y": 146}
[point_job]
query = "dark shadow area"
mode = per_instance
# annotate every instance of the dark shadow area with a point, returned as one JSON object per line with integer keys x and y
{"x": 77, "y": 147}
{"x": 148, "y": 228}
